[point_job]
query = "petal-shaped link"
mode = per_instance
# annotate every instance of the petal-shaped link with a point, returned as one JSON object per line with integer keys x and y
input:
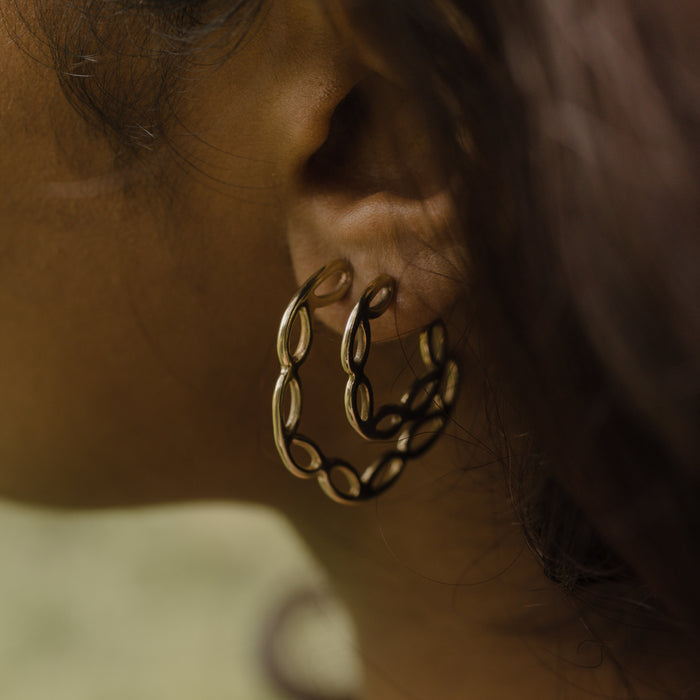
{"x": 450, "y": 383}
{"x": 356, "y": 339}
{"x": 433, "y": 345}
{"x": 312, "y": 453}
{"x": 382, "y": 474}
{"x": 342, "y": 483}
{"x": 339, "y": 268}
{"x": 288, "y": 389}
{"x": 303, "y": 318}
{"x": 387, "y": 421}
{"x": 421, "y": 396}
{"x": 360, "y": 398}
{"x": 419, "y": 437}
{"x": 377, "y": 298}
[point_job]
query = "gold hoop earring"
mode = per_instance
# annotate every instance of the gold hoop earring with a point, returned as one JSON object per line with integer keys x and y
{"x": 416, "y": 421}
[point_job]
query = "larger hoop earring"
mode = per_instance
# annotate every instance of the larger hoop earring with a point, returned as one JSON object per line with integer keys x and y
{"x": 416, "y": 421}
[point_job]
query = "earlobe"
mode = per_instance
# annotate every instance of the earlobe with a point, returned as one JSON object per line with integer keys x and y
{"x": 374, "y": 195}
{"x": 410, "y": 240}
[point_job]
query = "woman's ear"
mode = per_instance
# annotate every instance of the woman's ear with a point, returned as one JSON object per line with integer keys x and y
{"x": 372, "y": 192}
{"x": 328, "y": 128}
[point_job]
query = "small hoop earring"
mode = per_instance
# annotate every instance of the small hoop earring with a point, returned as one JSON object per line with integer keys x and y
{"x": 430, "y": 398}
{"x": 416, "y": 421}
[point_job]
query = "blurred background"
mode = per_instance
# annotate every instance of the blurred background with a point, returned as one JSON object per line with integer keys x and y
{"x": 177, "y": 603}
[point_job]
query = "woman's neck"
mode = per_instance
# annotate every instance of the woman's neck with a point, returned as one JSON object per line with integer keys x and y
{"x": 446, "y": 612}
{"x": 447, "y": 599}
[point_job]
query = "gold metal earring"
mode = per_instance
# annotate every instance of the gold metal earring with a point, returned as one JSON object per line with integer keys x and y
{"x": 416, "y": 421}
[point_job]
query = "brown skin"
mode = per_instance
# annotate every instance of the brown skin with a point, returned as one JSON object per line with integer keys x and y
{"x": 137, "y": 350}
